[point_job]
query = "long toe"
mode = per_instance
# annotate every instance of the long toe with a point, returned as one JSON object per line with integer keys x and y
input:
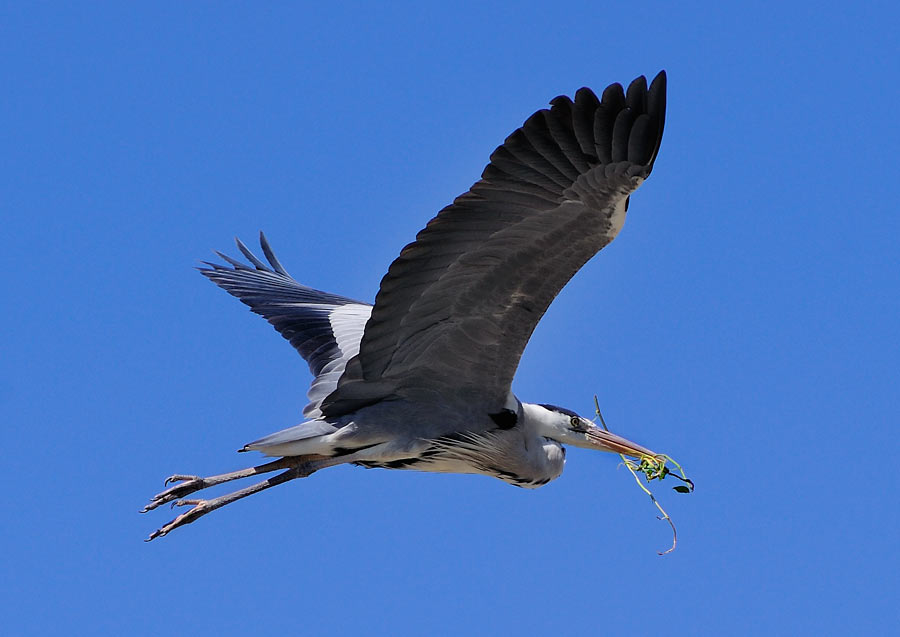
{"x": 186, "y": 503}
{"x": 192, "y": 484}
{"x": 179, "y": 478}
{"x": 299, "y": 468}
{"x": 200, "y": 508}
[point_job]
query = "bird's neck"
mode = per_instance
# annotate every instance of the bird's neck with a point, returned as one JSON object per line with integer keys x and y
{"x": 537, "y": 421}
{"x": 545, "y": 454}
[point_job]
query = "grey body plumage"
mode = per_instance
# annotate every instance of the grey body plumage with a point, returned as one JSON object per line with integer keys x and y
{"x": 422, "y": 379}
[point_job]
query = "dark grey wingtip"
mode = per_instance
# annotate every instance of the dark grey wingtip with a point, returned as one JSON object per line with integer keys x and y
{"x": 613, "y": 97}
{"x": 638, "y": 126}
{"x": 237, "y": 265}
{"x": 656, "y": 108}
{"x": 270, "y": 256}
{"x": 259, "y": 265}
{"x": 635, "y": 95}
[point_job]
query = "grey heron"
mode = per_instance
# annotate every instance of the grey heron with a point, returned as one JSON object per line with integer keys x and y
{"x": 422, "y": 379}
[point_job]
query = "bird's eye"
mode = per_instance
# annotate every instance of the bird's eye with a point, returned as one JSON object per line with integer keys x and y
{"x": 575, "y": 421}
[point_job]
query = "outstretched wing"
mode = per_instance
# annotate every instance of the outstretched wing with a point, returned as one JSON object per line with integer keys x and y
{"x": 324, "y": 328}
{"x": 457, "y": 307}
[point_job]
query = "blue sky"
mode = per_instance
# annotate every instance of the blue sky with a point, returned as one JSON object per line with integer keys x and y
{"x": 744, "y": 321}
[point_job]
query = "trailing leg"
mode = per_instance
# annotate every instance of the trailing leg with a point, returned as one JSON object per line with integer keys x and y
{"x": 190, "y": 484}
{"x": 300, "y": 467}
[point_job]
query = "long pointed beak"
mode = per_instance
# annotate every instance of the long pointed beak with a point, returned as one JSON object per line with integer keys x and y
{"x": 607, "y": 441}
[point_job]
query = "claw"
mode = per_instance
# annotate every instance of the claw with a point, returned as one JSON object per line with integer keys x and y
{"x": 185, "y": 486}
{"x": 297, "y": 467}
{"x": 184, "y": 503}
{"x": 198, "y": 509}
{"x": 179, "y": 478}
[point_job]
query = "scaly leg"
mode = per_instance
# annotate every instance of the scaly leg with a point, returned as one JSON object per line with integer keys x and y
{"x": 301, "y": 467}
{"x": 196, "y": 483}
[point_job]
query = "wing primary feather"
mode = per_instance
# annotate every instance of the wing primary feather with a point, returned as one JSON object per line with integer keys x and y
{"x": 259, "y": 265}
{"x": 636, "y": 97}
{"x": 537, "y": 132}
{"x": 270, "y": 255}
{"x": 620, "y": 134}
{"x": 613, "y": 97}
{"x": 656, "y": 108}
{"x": 640, "y": 140}
{"x": 561, "y": 107}
{"x": 508, "y": 167}
{"x": 586, "y": 104}
{"x": 234, "y": 262}
{"x": 562, "y": 129}
{"x": 520, "y": 149}
{"x": 604, "y": 119}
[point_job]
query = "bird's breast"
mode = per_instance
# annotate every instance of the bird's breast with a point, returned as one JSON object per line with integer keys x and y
{"x": 507, "y": 455}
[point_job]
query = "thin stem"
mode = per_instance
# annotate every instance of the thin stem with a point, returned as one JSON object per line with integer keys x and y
{"x": 665, "y": 516}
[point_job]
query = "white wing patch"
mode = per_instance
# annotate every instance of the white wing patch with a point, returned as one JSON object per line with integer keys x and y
{"x": 348, "y": 323}
{"x": 617, "y": 218}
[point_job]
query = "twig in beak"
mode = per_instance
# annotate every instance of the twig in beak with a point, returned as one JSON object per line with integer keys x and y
{"x": 659, "y": 472}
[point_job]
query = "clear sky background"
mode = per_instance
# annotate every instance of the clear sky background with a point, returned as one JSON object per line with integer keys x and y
{"x": 744, "y": 321}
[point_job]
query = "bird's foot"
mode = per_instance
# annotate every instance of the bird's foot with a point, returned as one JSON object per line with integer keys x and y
{"x": 198, "y": 508}
{"x": 297, "y": 467}
{"x": 188, "y": 485}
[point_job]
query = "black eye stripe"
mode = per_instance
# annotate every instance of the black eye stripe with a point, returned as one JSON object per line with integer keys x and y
{"x": 562, "y": 410}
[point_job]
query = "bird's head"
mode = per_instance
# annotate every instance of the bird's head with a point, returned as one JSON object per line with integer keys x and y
{"x": 567, "y": 427}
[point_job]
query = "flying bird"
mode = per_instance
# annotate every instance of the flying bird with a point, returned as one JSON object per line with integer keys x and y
{"x": 422, "y": 379}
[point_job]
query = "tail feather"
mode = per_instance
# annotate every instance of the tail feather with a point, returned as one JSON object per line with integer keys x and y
{"x": 302, "y": 439}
